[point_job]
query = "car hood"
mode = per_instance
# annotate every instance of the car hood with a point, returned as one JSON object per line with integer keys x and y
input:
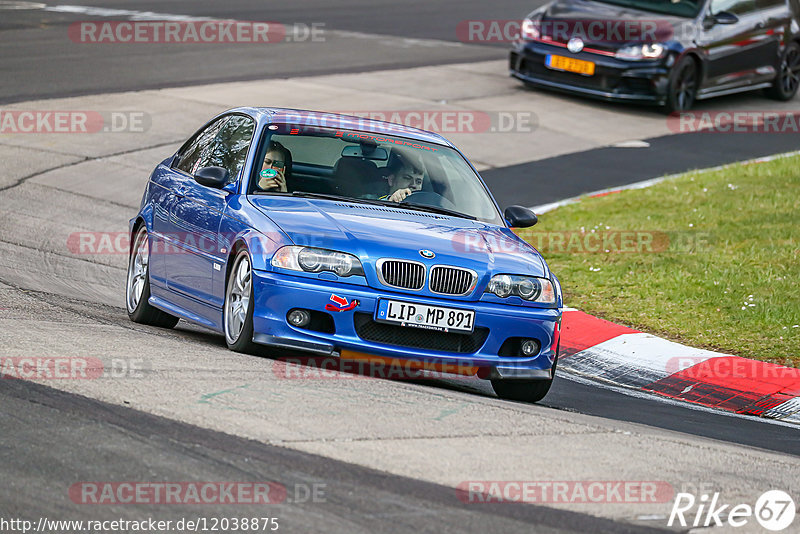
{"x": 574, "y": 12}
{"x": 372, "y": 232}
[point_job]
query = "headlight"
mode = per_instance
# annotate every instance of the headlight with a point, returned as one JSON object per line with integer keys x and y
{"x": 529, "y": 30}
{"x": 527, "y": 287}
{"x": 317, "y": 260}
{"x": 641, "y": 52}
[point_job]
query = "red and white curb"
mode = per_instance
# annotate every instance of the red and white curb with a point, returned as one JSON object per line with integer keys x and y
{"x": 601, "y": 350}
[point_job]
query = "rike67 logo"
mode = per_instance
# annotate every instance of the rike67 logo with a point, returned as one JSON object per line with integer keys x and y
{"x": 774, "y": 510}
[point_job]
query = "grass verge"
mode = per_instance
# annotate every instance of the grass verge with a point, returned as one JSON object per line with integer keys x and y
{"x": 710, "y": 259}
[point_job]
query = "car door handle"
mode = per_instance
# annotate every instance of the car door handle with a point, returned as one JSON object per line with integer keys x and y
{"x": 180, "y": 192}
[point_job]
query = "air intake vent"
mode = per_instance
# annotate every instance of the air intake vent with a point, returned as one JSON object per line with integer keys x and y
{"x": 452, "y": 280}
{"x": 401, "y": 273}
{"x": 417, "y": 338}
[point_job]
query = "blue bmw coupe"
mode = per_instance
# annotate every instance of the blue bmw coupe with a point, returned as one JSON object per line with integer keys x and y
{"x": 336, "y": 235}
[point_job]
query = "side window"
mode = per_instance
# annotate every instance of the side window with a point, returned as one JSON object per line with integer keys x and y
{"x": 770, "y": 4}
{"x": 737, "y": 7}
{"x": 229, "y": 149}
{"x": 195, "y": 155}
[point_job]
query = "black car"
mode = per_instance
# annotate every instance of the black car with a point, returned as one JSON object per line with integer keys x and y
{"x": 667, "y": 52}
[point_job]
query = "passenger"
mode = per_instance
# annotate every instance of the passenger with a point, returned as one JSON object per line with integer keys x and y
{"x": 404, "y": 173}
{"x": 276, "y": 168}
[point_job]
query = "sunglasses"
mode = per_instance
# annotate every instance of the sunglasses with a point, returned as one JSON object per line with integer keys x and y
{"x": 278, "y": 164}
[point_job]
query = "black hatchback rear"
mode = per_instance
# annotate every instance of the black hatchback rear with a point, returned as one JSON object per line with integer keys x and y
{"x": 665, "y": 52}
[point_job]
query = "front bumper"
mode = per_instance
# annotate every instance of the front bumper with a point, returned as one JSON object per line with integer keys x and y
{"x": 276, "y": 294}
{"x": 614, "y": 80}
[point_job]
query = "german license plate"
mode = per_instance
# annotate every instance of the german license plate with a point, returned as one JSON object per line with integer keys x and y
{"x": 438, "y": 318}
{"x": 570, "y": 64}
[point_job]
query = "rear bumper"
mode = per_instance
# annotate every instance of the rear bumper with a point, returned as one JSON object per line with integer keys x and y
{"x": 276, "y": 294}
{"x": 613, "y": 80}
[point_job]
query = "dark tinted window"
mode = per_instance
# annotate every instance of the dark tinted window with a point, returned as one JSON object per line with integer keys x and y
{"x": 224, "y": 143}
{"x": 737, "y": 7}
{"x": 769, "y": 4}
{"x": 681, "y": 8}
{"x": 229, "y": 149}
{"x": 191, "y": 156}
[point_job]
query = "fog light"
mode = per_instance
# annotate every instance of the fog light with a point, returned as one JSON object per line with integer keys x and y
{"x": 530, "y": 347}
{"x": 299, "y": 318}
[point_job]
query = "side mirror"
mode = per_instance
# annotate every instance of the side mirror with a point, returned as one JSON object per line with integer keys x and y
{"x": 723, "y": 17}
{"x": 215, "y": 177}
{"x": 519, "y": 217}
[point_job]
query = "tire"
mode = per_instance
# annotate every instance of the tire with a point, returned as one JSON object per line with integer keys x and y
{"x": 137, "y": 286}
{"x": 785, "y": 86}
{"x": 525, "y": 390}
{"x": 237, "y": 315}
{"x": 683, "y": 82}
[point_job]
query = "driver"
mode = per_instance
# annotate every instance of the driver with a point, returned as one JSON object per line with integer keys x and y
{"x": 404, "y": 173}
{"x": 277, "y": 166}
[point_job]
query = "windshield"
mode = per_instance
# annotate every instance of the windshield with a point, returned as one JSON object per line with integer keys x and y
{"x": 679, "y": 8}
{"x": 368, "y": 167}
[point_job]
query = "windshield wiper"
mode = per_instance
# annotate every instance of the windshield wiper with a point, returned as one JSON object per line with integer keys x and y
{"x": 398, "y": 205}
{"x": 432, "y": 209}
{"x": 340, "y": 198}
{"x": 327, "y": 196}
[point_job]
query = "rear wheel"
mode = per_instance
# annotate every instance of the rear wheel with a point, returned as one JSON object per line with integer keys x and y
{"x": 137, "y": 288}
{"x": 683, "y": 85}
{"x": 525, "y": 390}
{"x": 785, "y": 86}
{"x": 238, "y": 310}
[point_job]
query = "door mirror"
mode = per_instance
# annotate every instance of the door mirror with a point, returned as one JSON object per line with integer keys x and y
{"x": 723, "y": 17}
{"x": 216, "y": 177}
{"x": 519, "y": 217}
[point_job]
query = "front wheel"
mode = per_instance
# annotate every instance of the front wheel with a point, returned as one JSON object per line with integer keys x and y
{"x": 137, "y": 287}
{"x": 683, "y": 84}
{"x": 238, "y": 310}
{"x": 525, "y": 390}
{"x": 788, "y": 80}
{"x": 522, "y": 390}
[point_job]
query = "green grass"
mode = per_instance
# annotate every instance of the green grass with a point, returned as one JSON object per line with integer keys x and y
{"x": 722, "y": 272}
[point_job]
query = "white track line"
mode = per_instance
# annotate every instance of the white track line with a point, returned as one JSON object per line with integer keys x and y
{"x": 544, "y": 208}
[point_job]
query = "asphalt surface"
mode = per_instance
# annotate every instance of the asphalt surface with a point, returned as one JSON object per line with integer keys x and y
{"x": 357, "y": 35}
{"x": 103, "y": 442}
{"x": 552, "y": 179}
